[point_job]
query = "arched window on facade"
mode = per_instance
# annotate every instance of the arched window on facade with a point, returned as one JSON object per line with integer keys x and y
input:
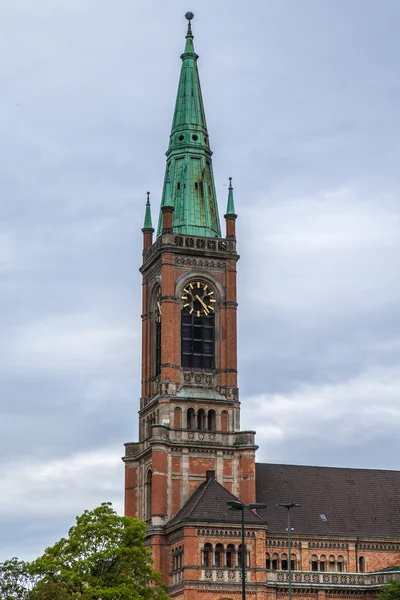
{"x": 322, "y": 562}
{"x": 314, "y": 562}
{"x": 201, "y": 419}
{"x": 157, "y": 312}
{"x": 361, "y": 564}
{"x": 224, "y": 420}
{"x": 211, "y": 420}
{"x": 268, "y": 561}
{"x": 340, "y": 563}
{"x": 148, "y": 494}
{"x": 191, "y": 418}
{"x": 293, "y": 562}
{"x": 177, "y": 417}
{"x": 243, "y": 555}
{"x": 219, "y": 556}
{"x": 284, "y": 562}
{"x": 230, "y": 556}
{"x": 332, "y": 563}
{"x": 207, "y": 555}
{"x": 197, "y": 326}
{"x": 275, "y": 562}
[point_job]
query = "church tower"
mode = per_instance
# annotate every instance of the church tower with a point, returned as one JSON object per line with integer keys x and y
{"x": 189, "y": 417}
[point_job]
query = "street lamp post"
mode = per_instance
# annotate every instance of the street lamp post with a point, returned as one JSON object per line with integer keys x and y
{"x": 237, "y": 505}
{"x": 288, "y": 506}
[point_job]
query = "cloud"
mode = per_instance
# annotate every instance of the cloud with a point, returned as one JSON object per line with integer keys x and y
{"x": 63, "y": 343}
{"x": 349, "y": 417}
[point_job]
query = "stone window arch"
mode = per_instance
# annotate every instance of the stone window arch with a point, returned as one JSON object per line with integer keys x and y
{"x": 361, "y": 564}
{"x": 243, "y": 554}
{"x": 211, "y": 420}
{"x": 219, "y": 556}
{"x": 322, "y": 562}
{"x": 207, "y": 556}
{"x": 199, "y": 329}
{"x": 332, "y": 563}
{"x": 148, "y": 494}
{"x": 275, "y": 562}
{"x": 267, "y": 561}
{"x": 177, "y": 417}
{"x": 314, "y": 562}
{"x": 284, "y": 562}
{"x": 201, "y": 419}
{"x": 340, "y": 563}
{"x": 224, "y": 420}
{"x": 230, "y": 556}
{"x": 191, "y": 418}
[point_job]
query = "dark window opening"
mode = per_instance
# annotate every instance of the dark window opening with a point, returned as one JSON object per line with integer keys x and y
{"x": 340, "y": 567}
{"x": 322, "y": 566}
{"x": 314, "y": 565}
{"x": 292, "y": 564}
{"x": 284, "y": 565}
{"x": 207, "y": 555}
{"x": 158, "y": 349}
{"x": 230, "y": 553}
{"x": 197, "y": 341}
{"x": 268, "y": 564}
{"x": 219, "y": 553}
{"x": 178, "y": 186}
{"x": 243, "y": 556}
{"x": 196, "y": 185}
{"x": 274, "y": 564}
{"x": 191, "y": 417}
{"x": 361, "y": 564}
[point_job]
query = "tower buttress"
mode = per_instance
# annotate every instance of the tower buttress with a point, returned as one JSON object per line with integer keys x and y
{"x": 189, "y": 417}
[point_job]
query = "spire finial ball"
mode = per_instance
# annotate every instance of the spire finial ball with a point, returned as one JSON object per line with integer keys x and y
{"x": 189, "y": 16}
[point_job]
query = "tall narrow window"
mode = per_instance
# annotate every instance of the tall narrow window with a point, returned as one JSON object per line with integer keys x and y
{"x": 207, "y": 553}
{"x": 197, "y": 341}
{"x": 361, "y": 564}
{"x": 219, "y": 553}
{"x": 197, "y": 329}
{"x": 158, "y": 314}
{"x": 148, "y": 492}
{"x": 230, "y": 556}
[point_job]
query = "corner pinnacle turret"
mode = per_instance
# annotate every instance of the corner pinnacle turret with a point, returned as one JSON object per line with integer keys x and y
{"x": 189, "y": 181}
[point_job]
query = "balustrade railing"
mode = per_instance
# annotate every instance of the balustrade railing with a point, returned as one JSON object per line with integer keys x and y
{"x": 319, "y": 578}
{"x": 224, "y": 575}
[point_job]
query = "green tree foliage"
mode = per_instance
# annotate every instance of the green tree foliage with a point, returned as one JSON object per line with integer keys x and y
{"x": 391, "y": 591}
{"x": 103, "y": 557}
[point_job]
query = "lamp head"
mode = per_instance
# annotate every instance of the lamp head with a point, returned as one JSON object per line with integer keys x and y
{"x": 235, "y": 505}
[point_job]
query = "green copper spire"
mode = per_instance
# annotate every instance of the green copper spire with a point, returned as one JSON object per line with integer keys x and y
{"x": 147, "y": 214}
{"x": 230, "y": 209}
{"x": 189, "y": 181}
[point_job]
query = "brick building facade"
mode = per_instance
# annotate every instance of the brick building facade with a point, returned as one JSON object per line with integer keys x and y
{"x": 191, "y": 457}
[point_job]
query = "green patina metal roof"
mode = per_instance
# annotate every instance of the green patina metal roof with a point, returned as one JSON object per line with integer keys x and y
{"x": 147, "y": 215}
{"x": 189, "y": 181}
{"x": 230, "y": 209}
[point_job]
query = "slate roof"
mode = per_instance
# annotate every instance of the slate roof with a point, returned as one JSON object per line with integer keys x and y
{"x": 208, "y": 504}
{"x": 354, "y": 501}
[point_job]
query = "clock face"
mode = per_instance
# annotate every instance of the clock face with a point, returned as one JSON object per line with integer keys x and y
{"x": 158, "y": 309}
{"x": 198, "y": 299}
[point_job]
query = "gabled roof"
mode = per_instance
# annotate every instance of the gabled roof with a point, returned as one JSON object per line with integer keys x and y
{"x": 208, "y": 503}
{"x": 333, "y": 500}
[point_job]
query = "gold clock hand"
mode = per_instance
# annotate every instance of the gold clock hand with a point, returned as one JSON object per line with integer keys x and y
{"x": 202, "y": 303}
{"x": 159, "y": 307}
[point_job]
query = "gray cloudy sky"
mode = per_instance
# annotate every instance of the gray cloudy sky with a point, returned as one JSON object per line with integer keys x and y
{"x": 302, "y": 101}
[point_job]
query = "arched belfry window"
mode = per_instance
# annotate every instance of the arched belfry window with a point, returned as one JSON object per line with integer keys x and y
{"x": 198, "y": 325}
{"x": 158, "y": 314}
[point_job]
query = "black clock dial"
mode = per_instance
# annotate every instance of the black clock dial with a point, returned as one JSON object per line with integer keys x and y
{"x": 198, "y": 298}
